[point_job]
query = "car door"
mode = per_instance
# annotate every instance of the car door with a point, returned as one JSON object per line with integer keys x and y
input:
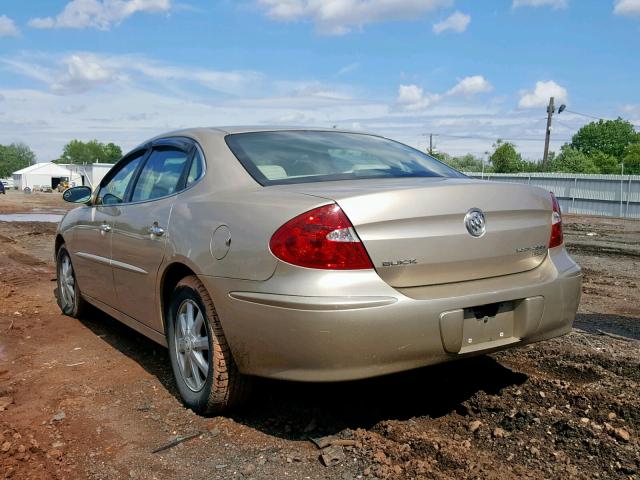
{"x": 141, "y": 226}
{"x": 90, "y": 247}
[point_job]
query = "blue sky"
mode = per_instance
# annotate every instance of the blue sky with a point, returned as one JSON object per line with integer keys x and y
{"x": 468, "y": 71}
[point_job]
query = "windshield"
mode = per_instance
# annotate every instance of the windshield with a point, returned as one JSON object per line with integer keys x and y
{"x": 281, "y": 157}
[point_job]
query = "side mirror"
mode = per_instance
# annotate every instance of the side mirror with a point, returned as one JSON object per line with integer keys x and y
{"x": 77, "y": 194}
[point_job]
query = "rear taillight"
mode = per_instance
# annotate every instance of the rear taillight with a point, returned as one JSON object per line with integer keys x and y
{"x": 321, "y": 238}
{"x": 556, "y": 224}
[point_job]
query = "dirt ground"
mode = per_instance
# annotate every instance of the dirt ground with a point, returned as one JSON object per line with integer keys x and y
{"x": 93, "y": 399}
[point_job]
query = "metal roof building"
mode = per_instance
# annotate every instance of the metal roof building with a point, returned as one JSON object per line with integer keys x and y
{"x": 43, "y": 174}
{"x": 51, "y": 174}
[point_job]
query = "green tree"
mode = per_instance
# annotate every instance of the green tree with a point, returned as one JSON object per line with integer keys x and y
{"x": 610, "y": 137}
{"x": 631, "y": 159}
{"x": 571, "y": 160}
{"x": 465, "y": 163}
{"x": 532, "y": 166}
{"x": 442, "y": 156}
{"x": 605, "y": 163}
{"x": 79, "y": 152}
{"x": 113, "y": 152}
{"x": 14, "y": 157}
{"x": 505, "y": 158}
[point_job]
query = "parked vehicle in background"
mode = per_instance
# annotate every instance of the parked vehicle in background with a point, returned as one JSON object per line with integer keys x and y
{"x": 311, "y": 255}
{"x": 2, "y": 189}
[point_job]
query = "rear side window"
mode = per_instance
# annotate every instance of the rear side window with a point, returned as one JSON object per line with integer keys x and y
{"x": 314, "y": 156}
{"x": 195, "y": 172}
{"x": 114, "y": 190}
{"x": 160, "y": 175}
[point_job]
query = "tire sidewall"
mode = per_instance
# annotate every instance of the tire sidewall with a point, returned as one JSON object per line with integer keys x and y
{"x": 197, "y": 401}
{"x": 71, "y": 310}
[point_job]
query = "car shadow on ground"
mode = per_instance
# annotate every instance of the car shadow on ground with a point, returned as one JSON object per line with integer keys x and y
{"x": 295, "y": 410}
{"x": 597, "y": 323}
{"x": 147, "y": 353}
{"x": 327, "y": 408}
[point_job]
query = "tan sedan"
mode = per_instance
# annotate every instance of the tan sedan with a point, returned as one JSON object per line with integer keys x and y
{"x": 311, "y": 255}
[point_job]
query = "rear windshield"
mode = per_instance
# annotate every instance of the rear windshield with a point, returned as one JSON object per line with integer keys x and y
{"x": 280, "y": 157}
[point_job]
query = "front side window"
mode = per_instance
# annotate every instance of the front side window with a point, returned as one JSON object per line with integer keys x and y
{"x": 161, "y": 175}
{"x": 114, "y": 190}
{"x": 280, "y": 157}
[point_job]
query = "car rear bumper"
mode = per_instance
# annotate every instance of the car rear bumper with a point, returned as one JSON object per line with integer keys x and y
{"x": 310, "y": 325}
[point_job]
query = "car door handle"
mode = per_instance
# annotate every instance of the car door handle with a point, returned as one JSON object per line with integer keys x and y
{"x": 156, "y": 230}
{"x": 105, "y": 227}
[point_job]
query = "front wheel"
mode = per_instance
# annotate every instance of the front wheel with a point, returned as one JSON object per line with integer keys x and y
{"x": 205, "y": 372}
{"x": 68, "y": 292}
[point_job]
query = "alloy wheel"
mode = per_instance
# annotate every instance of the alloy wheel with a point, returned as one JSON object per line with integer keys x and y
{"x": 67, "y": 282}
{"x": 192, "y": 345}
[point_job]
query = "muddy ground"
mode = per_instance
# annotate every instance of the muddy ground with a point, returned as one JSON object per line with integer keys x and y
{"x": 93, "y": 399}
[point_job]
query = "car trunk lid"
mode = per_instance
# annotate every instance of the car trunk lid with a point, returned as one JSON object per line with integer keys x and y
{"x": 414, "y": 229}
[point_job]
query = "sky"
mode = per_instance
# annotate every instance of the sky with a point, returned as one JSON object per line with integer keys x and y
{"x": 467, "y": 71}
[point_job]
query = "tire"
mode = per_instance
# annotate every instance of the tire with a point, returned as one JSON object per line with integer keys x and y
{"x": 68, "y": 292}
{"x": 222, "y": 387}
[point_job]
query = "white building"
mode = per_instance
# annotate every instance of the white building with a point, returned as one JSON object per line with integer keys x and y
{"x": 91, "y": 174}
{"x": 44, "y": 174}
{"x": 51, "y": 174}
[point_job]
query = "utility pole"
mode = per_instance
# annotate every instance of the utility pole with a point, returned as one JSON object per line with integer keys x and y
{"x": 550, "y": 111}
{"x": 431, "y": 135}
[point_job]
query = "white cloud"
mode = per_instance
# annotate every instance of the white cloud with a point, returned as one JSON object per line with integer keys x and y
{"x": 456, "y": 22}
{"x": 539, "y": 97}
{"x": 627, "y": 7}
{"x": 80, "y": 72}
{"x": 83, "y": 72}
{"x": 348, "y": 69}
{"x": 8, "y": 27}
{"x": 99, "y": 14}
{"x": 408, "y": 94}
{"x": 471, "y": 86}
{"x": 541, "y": 3}
{"x": 71, "y": 109}
{"x": 128, "y": 113}
{"x": 319, "y": 90}
{"x": 412, "y": 97}
{"x": 338, "y": 17}
{"x": 132, "y": 98}
{"x": 228, "y": 82}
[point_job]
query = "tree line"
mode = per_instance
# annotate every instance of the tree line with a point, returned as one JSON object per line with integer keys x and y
{"x": 18, "y": 155}
{"x": 605, "y": 147}
{"x": 15, "y": 157}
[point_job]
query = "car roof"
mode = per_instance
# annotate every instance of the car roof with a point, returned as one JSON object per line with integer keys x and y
{"x": 270, "y": 128}
{"x": 231, "y": 129}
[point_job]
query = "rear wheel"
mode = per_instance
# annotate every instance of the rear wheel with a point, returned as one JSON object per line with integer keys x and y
{"x": 205, "y": 372}
{"x": 68, "y": 292}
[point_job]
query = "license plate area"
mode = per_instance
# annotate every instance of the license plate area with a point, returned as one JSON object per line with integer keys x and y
{"x": 486, "y": 326}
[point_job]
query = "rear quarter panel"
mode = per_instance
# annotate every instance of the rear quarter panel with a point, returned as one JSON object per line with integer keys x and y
{"x": 252, "y": 216}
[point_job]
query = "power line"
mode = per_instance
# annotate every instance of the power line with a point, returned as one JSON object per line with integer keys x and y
{"x": 586, "y": 115}
{"x": 491, "y": 139}
{"x": 597, "y": 117}
{"x": 566, "y": 125}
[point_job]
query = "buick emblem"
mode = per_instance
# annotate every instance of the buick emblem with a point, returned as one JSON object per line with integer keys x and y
{"x": 475, "y": 222}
